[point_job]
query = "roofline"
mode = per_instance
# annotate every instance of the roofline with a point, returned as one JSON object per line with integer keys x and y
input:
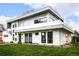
{"x": 48, "y": 8}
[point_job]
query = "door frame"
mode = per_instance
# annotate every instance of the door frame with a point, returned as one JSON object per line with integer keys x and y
{"x": 19, "y": 38}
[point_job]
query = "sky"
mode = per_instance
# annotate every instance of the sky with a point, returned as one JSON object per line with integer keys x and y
{"x": 69, "y": 11}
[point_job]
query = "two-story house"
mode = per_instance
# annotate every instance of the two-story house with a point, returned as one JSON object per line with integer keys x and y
{"x": 43, "y": 26}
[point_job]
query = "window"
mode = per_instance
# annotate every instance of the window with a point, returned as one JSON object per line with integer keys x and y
{"x": 43, "y": 20}
{"x": 30, "y": 37}
{"x": 36, "y": 33}
{"x": 40, "y": 20}
{"x": 5, "y": 35}
{"x": 43, "y": 37}
{"x": 50, "y": 37}
{"x": 13, "y": 26}
{"x": 36, "y": 21}
{"x": 13, "y": 36}
{"x": 15, "y": 33}
{"x": 15, "y": 39}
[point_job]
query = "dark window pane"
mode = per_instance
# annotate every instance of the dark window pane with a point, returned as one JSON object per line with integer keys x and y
{"x": 49, "y": 37}
{"x": 13, "y": 26}
{"x": 5, "y": 35}
{"x": 15, "y": 39}
{"x": 43, "y": 37}
{"x": 15, "y": 33}
{"x": 36, "y": 21}
{"x": 30, "y": 37}
{"x": 36, "y": 33}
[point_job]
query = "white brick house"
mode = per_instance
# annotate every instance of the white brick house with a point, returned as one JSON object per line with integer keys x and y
{"x": 43, "y": 26}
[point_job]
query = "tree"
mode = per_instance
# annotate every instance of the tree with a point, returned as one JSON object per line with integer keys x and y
{"x": 76, "y": 32}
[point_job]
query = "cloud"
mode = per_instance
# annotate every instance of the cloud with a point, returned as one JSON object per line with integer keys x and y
{"x": 3, "y": 20}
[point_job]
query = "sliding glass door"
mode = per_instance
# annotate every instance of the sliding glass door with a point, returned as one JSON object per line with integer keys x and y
{"x": 49, "y": 37}
{"x": 28, "y": 38}
{"x": 43, "y": 37}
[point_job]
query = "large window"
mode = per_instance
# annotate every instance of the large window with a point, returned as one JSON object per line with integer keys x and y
{"x": 43, "y": 37}
{"x": 40, "y": 20}
{"x": 36, "y": 21}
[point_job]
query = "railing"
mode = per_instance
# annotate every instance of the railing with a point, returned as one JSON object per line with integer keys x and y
{"x": 40, "y": 25}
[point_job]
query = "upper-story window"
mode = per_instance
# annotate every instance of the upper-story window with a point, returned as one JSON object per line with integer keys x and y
{"x": 21, "y": 23}
{"x": 14, "y": 25}
{"x": 40, "y": 20}
{"x": 51, "y": 19}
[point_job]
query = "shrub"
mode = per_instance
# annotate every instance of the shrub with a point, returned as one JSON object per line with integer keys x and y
{"x": 11, "y": 41}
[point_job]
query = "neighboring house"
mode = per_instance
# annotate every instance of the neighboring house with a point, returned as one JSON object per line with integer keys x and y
{"x": 1, "y": 33}
{"x": 75, "y": 37}
{"x": 42, "y": 26}
{"x": 7, "y": 36}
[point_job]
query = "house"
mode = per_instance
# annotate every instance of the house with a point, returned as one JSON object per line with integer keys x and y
{"x": 7, "y": 36}
{"x": 1, "y": 33}
{"x": 43, "y": 26}
{"x": 75, "y": 36}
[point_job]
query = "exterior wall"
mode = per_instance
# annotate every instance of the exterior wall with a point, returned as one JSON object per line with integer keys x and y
{"x": 63, "y": 37}
{"x": 59, "y": 37}
{"x": 70, "y": 37}
{"x": 56, "y": 37}
{"x": 30, "y": 21}
{"x": 23, "y": 37}
{"x": 7, "y": 39}
{"x": 36, "y": 38}
{"x": 17, "y": 38}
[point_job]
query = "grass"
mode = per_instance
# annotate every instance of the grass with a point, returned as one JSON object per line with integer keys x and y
{"x": 36, "y": 50}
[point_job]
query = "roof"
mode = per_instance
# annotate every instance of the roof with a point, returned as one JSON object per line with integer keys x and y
{"x": 38, "y": 11}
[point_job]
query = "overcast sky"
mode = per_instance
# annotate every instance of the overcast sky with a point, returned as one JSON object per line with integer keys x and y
{"x": 69, "y": 11}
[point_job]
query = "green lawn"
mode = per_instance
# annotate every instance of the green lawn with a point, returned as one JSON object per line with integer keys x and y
{"x": 36, "y": 50}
